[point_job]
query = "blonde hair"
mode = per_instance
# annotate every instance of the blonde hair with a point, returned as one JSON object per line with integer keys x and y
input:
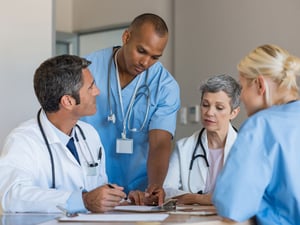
{"x": 273, "y": 62}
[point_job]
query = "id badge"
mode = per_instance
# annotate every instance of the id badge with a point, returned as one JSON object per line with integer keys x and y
{"x": 124, "y": 146}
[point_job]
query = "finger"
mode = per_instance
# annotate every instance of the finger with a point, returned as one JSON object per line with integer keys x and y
{"x": 136, "y": 197}
{"x": 115, "y": 192}
{"x": 153, "y": 189}
{"x": 141, "y": 196}
{"x": 161, "y": 198}
{"x": 152, "y": 200}
{"x": 132, "y": 197}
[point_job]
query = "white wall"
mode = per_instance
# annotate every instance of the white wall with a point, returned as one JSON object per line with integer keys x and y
{"x": 207, "y": 37}
{"x": 26, "y": 39}
{"x": 90, "y": 15}
{"x": 64, "y": 15}
{"x": 212, "y": 36}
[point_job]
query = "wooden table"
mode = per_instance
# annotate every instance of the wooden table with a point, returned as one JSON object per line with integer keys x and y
{"x": 50, "y": 219}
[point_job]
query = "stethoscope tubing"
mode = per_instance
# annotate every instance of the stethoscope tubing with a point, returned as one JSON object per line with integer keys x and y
{"x": 111, "y": 116}
{"x": 204, "y": 155}
{"x": 48, "y": 148}
{"x": 93, "y": 164}
{"x": 194, "y": 157}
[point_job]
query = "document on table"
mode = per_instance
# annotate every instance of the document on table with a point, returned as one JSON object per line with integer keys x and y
{"x": 138, "y": 208}
{"x": 115, "y": 217}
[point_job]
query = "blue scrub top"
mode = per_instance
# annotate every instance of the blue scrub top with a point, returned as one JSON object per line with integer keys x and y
{"x": 130, "y": 170}
{"x": 261, "y": 174}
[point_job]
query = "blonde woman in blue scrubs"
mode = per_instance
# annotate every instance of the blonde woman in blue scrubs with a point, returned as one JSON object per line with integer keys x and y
{"x": 261, "y": 176}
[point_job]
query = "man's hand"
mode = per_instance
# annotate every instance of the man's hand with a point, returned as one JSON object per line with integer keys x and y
{"x": 136, "y": 197}
{"x": 154, "y": 195}
{"x": 103, "y": 198}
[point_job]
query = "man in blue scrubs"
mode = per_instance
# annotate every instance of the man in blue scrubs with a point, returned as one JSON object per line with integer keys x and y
{"x": 137, "y": 108}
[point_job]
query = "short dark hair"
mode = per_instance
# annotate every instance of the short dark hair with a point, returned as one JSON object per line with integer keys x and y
{"x": 159, "y": 24}
{"x": 56, "y": 77}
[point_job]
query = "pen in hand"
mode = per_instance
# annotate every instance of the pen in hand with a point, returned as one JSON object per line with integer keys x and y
{"x": 110, "y": 186}
{"x": 124, "y": 199}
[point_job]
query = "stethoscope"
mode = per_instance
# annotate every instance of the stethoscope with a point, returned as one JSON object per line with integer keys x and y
{"x": 195, "y": 156}
{"x": 204, "y": 155}
{"x": 139, "y": 90}
{"x": 90, "y": 164}
{"x": 201, "y": 155}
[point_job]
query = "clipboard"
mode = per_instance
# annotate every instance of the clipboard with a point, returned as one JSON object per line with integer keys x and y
{"x": 169, "y": 205}
{"x": 139, "y": 209}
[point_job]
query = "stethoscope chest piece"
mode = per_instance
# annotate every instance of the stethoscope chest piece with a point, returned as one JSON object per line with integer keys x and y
{"x": 111, "y": 118}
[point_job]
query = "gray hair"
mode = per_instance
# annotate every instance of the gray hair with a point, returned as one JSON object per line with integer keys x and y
{"x": 224, "y": 83}
{"x": 56, "y": 77}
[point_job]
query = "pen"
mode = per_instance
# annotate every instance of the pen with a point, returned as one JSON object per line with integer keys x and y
{"x": 110, "y": 186}
{"x": 100, "y": 154}
{"x": 124, "y": 199}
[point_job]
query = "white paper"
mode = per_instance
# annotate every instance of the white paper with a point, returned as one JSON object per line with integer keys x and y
{"x": 116, "y": 217}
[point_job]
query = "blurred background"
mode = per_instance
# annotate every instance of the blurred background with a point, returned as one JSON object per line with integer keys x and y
{"x": 206, "y": 38}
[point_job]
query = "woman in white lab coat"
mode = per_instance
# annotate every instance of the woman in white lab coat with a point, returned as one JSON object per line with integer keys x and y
{"x": 196, "y": 160}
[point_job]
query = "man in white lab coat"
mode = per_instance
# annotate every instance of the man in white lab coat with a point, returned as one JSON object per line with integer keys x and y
{"x": 39, "y": 171}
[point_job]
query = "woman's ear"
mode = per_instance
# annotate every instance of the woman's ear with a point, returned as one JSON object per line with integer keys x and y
{"x": 234, "y": 113}
{"x": 261, "y": 84}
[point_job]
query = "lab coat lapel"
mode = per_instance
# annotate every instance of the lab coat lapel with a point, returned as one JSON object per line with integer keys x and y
{"x": 54, "y": 140}
{"x": 49, "y": 132}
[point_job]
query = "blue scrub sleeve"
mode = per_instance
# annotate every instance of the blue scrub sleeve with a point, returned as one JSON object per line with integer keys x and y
{"x": 164, "y": 117}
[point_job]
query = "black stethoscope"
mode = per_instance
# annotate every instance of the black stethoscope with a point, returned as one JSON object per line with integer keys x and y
{"x": 204, "y": 155}
{"x": 92, "y": 164}
{"x": 195, "y": 156}
{"x": 201, "y": 155}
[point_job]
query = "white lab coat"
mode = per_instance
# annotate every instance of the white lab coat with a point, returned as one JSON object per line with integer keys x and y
{"x": 26, "y": 178}
{"x": 177, "y": 181}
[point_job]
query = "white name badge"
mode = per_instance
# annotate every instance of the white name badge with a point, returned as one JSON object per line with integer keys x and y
{"x": 124, "y": 146}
